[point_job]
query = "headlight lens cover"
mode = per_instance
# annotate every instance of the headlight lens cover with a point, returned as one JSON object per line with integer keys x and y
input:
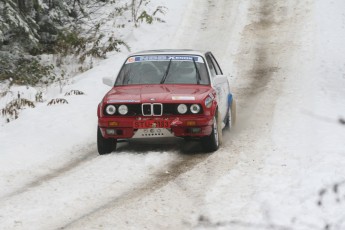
{"x": 195, "y": 108}
{"x": 123, "y": 109}
{"x": 208, "y": 102}
{"x": 110, "y": 109}
{"x": 182, "y": 108}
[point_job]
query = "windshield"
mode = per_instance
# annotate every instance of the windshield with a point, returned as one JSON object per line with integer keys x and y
{"x": 163, "y": 69}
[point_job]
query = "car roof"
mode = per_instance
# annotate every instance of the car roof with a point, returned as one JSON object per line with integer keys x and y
{"x": 170, "y": 52}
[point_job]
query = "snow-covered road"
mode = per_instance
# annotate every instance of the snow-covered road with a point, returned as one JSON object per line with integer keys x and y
{"x": 286, "y": 147}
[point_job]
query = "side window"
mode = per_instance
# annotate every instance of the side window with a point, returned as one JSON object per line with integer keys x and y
{"x": 211, "y": 66}
{"x": 218, "y": 69}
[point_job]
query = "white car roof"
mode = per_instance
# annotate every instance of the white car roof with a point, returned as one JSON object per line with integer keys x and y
{"x": 170, "y": 52}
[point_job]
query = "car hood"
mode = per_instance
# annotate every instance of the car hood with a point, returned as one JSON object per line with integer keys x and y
{"x": 157, "y": 93}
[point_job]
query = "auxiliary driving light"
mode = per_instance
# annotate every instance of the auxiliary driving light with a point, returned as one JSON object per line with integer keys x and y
{"x": 117, "y": 132}
{"x": 195, "y": 130}
{"x": 110, "y": 131}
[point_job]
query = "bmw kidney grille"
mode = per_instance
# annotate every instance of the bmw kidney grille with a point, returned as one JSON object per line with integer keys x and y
{"x": 155, "y": 109}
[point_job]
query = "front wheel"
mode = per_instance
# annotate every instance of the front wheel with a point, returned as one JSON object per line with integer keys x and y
{"x": 104, "y": 145}
{"x": 211, "y": 143}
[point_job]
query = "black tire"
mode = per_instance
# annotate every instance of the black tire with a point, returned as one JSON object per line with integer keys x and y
{"x": 212, "y": 142}
{"x": 104, "y": 145}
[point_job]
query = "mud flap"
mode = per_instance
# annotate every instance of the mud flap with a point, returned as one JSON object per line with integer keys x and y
{"x": 233, "y": 113}
{"x": 220, "y": 128}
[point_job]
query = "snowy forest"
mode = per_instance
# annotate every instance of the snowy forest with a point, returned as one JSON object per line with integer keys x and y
{"x": 74, "y": 29}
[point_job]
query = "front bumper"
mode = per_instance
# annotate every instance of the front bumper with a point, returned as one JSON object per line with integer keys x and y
{"x": 184, "y": 126}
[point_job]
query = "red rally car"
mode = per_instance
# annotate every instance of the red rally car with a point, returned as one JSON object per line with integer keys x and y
{"x": 166, "y": 93}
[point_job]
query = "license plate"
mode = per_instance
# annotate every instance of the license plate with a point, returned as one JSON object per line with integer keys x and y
{"x": 151, "y": 124}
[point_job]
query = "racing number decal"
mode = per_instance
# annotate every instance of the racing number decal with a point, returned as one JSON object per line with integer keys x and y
{"x": 151, "y": 124}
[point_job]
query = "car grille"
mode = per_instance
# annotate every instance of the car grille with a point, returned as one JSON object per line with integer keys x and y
{"x": 151, "y": 109}
{"x": 155, "y": 109}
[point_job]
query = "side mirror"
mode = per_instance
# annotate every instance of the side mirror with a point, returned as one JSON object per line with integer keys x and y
{"x": 108, "y": 81}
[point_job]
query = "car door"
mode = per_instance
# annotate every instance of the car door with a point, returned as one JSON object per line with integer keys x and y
{"x": 219, "y": 83}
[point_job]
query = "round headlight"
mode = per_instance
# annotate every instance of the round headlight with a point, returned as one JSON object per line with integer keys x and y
{"x": 123, "y": 109}
{"x": 110, "y": 109}
{"x": 195, "y": 108}
{"x": 182, "y": 109}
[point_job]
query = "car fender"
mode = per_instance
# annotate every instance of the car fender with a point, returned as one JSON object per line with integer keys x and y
{"x": 99, "y": 110}
{"x": 214, "y": 106}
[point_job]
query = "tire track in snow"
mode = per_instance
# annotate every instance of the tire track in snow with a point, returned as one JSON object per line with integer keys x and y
{"x": 268, "y": 43}
{"x": 183, "y": 164}
{"x": 90, "y": 155}
{"x": 81, "y": 159}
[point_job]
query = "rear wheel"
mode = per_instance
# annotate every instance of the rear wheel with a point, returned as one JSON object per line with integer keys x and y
{"x": 104, "y": 145}
{"x": 211, "y": 143}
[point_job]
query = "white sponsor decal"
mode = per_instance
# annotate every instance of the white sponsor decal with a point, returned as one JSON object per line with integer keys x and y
{"x": 164, "y": 58}
{"x": 123, "y": 101}
{"x": 183, "y": 98}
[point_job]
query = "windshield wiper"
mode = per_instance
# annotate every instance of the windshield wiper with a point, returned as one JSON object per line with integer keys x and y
{"x": 166, "y": 73}
{"x": 198, "y": 77}
{"x": 128, "y": 76}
